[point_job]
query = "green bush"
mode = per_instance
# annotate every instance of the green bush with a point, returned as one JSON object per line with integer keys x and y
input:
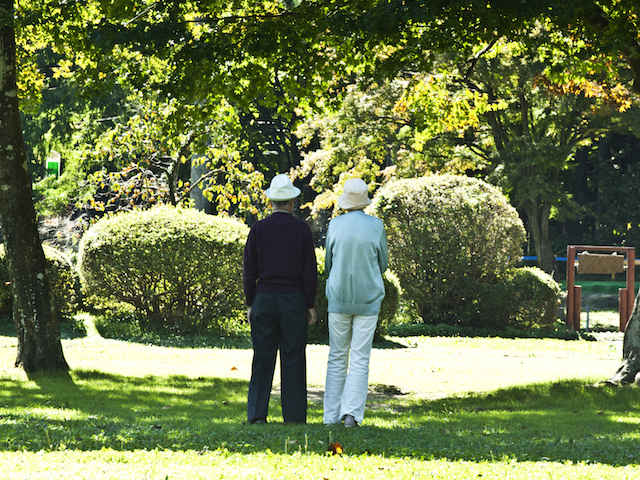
{"x": 534, "y": 298}
{"x": 180, "y": 269}
{"x": 447, "y": 235}
{"x": 63, "y": 277}
{"x": 118, "y": 320}
{"x": 522, "y": 298}
{"x": 388, "y": 309}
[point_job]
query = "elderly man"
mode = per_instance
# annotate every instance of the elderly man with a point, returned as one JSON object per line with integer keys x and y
{"x": 280, "y": 278}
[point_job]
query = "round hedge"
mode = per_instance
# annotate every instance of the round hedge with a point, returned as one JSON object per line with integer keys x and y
{"x": 180, "y": 269}
{"x": 534, "y": 298}
{"x": 522, "y": 298}
{"x": 388, "y": 309}
{"x": 63, "y": 277}
{"x": 447, "y": 234}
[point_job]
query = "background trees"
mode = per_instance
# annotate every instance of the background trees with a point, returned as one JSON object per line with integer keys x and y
{"x": 150, "y": 101}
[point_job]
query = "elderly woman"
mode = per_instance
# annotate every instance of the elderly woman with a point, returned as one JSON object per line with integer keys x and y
{"x": 356, "y": 257}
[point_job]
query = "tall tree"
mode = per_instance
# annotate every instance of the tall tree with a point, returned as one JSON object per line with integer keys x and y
{"x": 533, "y": 131}
{"x": 34, "y": 313}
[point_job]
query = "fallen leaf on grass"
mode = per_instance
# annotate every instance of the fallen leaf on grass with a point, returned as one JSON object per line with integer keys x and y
{"x": 335, "y": 448}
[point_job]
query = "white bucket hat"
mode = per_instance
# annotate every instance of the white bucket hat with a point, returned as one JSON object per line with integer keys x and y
{"x": 281, "y": 189}
{"x": 355, "y": 195}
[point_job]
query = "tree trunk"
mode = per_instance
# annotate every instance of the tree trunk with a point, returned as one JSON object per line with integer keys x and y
{"x": 628, "y": 371}
{"x": 538, "y": 216}
{"x": 34, "y": 313}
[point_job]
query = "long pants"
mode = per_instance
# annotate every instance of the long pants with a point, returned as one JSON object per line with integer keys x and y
{"x": 278, "y": 321}
{"x": 350, "y": 339}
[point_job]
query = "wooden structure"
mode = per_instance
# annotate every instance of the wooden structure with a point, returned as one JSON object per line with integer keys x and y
{"x": 604, "y": 264}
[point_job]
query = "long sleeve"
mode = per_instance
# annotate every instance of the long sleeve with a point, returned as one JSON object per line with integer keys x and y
{"x": 309, "y": 270}
{"x": 250, "y": 268}
{"x": 383, "y": 254}
{"x": 328, "y": 253}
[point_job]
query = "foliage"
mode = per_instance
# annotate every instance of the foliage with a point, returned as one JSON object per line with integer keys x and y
{"x": 603, "y": 184}
{"x": 535, "y": 297}
{"x": 398, "y": 128}
{"x": 155, "y": 153}
{"x": 449, "y": 234}
{"x": 63, "y": 277}
{"x": 180, "y": 269}
{"x": 522, "y": 298}
{"x": 523, "y": 129}
{"x": 388, "y": 309}
{"x": 364, "y": 137}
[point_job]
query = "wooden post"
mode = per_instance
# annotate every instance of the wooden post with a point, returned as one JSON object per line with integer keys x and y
{"x": 577, "y": 295}
{"x": 631, "y": 283}
{"x": 571, "y": 257}
{"x": 623, "y": 303}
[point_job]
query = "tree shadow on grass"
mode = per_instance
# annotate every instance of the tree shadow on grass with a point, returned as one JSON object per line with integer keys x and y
{"x": 316, "y": 337}
{"x": 564, "y": 421}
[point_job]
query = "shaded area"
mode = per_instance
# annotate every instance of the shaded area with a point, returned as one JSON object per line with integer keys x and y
{"x": 565, "y": 421}
{"x": 67, "y": 329}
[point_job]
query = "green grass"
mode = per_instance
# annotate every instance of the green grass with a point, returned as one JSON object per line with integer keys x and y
{"x": 473, "y": 408}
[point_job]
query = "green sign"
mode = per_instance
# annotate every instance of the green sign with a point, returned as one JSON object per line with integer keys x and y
{"x": 53, "y": 164}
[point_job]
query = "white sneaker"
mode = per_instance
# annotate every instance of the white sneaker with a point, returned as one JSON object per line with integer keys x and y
{"x": 349, "y": 421}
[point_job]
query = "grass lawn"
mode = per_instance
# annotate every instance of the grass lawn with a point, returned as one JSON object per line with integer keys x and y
{"x": 445, "y": 408}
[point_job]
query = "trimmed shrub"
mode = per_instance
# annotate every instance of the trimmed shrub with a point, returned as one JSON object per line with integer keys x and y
{"x": 447, "y": 235}
{"x": 533, "y": 298}
{"x": 64, "y": 282}
{"x": 522, "y": 298}
{"x": 180, "y": 269}
{"x": 388, "y": 309}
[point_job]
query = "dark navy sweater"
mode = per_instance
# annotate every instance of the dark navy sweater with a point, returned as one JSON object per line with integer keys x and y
{"x": 279, "y": 257}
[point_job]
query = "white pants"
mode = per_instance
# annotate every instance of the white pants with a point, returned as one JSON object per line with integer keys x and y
{"x": 350, "y": 339}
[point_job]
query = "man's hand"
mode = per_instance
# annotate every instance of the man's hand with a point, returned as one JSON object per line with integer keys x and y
{"x": 313, "y": 318}
{"x": 249, "y": 315}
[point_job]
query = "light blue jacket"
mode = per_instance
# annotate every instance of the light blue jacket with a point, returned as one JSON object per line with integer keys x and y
{"x": 356, "y": 257}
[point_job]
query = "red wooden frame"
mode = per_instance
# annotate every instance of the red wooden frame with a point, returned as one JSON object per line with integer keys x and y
{"x": 626, "y": 296}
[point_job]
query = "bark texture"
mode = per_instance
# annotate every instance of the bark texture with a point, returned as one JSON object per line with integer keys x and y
{"x": 629, "y": 370}
{"x": 538, "y": 216}
{"x": 37, "y": 323}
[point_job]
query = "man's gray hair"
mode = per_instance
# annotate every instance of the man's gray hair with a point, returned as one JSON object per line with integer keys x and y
{"x": 280, "y": 203}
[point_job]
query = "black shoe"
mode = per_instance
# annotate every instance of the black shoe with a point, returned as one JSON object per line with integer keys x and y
{"x": 258, "y": 421}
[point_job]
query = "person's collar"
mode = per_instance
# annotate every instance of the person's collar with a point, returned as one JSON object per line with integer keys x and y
{"x": 281, "y": 211}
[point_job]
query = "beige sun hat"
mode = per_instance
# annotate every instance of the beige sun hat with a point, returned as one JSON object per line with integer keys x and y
{"x": 281, "y": 189}
{"x": 355, "y": 195}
